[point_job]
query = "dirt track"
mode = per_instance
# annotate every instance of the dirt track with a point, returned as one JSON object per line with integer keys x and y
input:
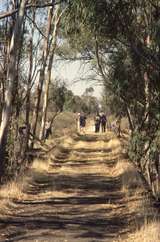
{"x": 78, "y": 199}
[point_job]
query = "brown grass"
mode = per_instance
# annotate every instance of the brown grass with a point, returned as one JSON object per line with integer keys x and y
{"x": 14, "y": 189}
{"x": 40, "y": 165}
{"x": 11, "y": 192}
{"x": 138, "y": 200}
{"x": 149, "y": 232}
{"x": 129, "y": 176}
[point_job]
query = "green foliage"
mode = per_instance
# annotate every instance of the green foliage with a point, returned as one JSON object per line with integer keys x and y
{"x": 123, "y": 36}
{"x": 136, "y": 146}
{"x": 62, "y": 99}
{"x": 57, "y": 95}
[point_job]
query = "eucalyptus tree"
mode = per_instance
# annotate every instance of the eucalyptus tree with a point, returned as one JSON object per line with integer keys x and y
{"x": 9, "y": 93}
{"x": 123, "y": 36}
{"x": 45, "y": 54}
{"x": 58, "y": 12}
{"x": 104, "y": 25}
{"x": 19, "y": 72}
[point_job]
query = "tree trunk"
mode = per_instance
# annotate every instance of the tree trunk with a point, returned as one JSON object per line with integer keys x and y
{"x": 29, "y": 84}
{"x": 49, "y": 70}
{"x": 147, "y": 87}
{"x": 131, "y": 125}
{"x": 11, "y": 73}
{"x": 42, "y": 75}
{"x": 147, "y": 96}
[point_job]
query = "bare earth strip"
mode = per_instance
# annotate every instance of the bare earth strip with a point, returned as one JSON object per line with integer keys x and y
{"x": 78, "y": 199}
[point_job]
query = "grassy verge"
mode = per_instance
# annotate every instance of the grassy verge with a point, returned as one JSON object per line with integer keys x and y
{"x": 145, "y": 220}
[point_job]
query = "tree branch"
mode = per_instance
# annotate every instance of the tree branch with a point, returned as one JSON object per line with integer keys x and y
{"x": 36, "y": 26}
{"x": 28, "y": 6}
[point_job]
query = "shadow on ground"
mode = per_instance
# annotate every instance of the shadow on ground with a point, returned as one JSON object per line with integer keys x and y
{"x": 67, "y": 206}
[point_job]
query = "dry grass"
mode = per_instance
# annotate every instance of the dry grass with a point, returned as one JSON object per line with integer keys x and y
{"x": 129, "y": 176}
{"x": 149, "y": 232}
{"x": 113, "y": 143}
{"x": 13, "y": 191}
{"x": 138, "y": 200}
{"x": 40, "y": 165}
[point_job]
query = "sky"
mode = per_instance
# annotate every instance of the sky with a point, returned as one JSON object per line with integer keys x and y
{"x": 2, "y": 5}
{"x": 73, "y": 73}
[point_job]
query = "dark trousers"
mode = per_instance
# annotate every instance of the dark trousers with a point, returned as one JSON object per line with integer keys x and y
{"x": 47, "y": 133}
{"x": 103, "y": 127}
{"x": 97, "y": 126}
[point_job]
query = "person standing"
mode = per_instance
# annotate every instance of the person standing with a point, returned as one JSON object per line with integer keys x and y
{"x": 82, "y": 122}
{"x": 103, "y": 121}
{"x": 78, "y": 122}
{"x": 48, "y": 130}
{"x": 97, "y": 123}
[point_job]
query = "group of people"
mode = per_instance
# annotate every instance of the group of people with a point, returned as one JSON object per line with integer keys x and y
{"x": 100, "y": 122}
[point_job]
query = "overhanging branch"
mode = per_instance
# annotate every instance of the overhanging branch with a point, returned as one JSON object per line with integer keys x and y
{"x": 28, "y": 6}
